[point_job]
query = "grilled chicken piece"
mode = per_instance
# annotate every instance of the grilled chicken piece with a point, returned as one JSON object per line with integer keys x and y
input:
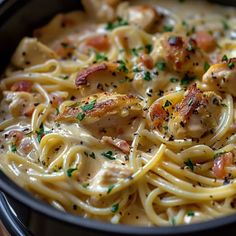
{"x": 196, "y": 115}
{"x": 20, "y": 103}
{"x": 102, "y": 10}
{"x": 222, "y": 76}
{"x": 118, "y": 143}
{"x": 143, "y": 16}
{"x": 106, "y": 76}
{"x": 111, "y": 173}
{"x": 31, "y": 52}
{"x": 104, "y": 113}
{"x": 180, "y": 54}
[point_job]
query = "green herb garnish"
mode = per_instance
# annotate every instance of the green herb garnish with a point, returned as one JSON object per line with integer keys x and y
{"x": 85, "y": 185}
{"x": 135, "y": 51}
{"x": 148, "y": 48}
{"x": 109, "y": 155}
{"x": 187, "y": 80}
{"x": 118, "y": 23}
{"x": 101, "y": 57}
{"x": 167, "y": 103}
{"x": 57, "y": 111}
{"x": 161, "y": 66}
{"x": 190, "y": 213}
{"x": 13, "y": 147}
{"x": 224, "y": 58}
{"x": 225, "y": 25}
{"x": 147, "y": 76}
{"x": 40, "y": 133}
{"x": 110, "y": 187}
{"x": 89, "y": 106}
{"x": 70, "y": 171}
{"x": 122, "y": 66}
{"x": 115, "y": 208}
{"x": 231, "y": 65}
{"x": 189, "y": 164}
{"x": 80, "y": 116}
{"x": 206, "y": 66}
{"x": 168, "y": 28}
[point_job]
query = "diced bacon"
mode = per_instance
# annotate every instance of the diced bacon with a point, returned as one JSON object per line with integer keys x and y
{"x": 22, "y": 86}
{"x": 147, "y": 61}
{"x": 157, "y": 115}
{"x": 16, "y": 136}
{"x": 205, "y": 41}
{"x": 119, "y": 143}
{"x": 220, "y": 163}
{"x": 191, "y": 102}
{"x": 100, "y": 42}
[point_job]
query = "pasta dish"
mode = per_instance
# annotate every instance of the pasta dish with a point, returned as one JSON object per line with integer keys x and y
{"x": 126, "y": 112}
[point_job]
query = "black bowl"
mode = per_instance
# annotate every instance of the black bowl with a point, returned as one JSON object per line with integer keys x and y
{"x": 20, "y": 212}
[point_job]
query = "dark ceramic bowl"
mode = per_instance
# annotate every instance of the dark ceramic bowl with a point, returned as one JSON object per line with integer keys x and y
{"x": 20, "y": 212}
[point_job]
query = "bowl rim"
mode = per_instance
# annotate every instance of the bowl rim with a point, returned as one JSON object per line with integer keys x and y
{"x": 16, "y": 192}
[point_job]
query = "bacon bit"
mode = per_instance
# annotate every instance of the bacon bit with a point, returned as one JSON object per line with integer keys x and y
{"x": 220, "y": 163}
{"x": 158, "y": 115}
{"x": 55, "y": 100}
{"x": 99, "y": 42}
{"x": 119, "y": 143}
{"x": 147, "y": 61}
{"x": 82, "y": 76}
{"x": 191, "y": 101}
{"x": 205, "y": 41}
{"x": 16, "y": 135}
{"x": 22, "y": 86}
{"x": 28, "y": 111}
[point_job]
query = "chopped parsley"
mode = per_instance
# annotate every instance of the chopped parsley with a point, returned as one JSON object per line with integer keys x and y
{"x": 40, "y": 133}
{"x": 168, "y": 28}
{"x": 115, "y": 208}
{"x": 167, "y": 103}
{"x": 173, "y": 80}
{"x": 224, "y": 58}
{"x": 225, "y": 25}
{"x": 65, "y": 77}
{"x": 70, "y": 171}
{"x": 231, "y": 65}
{"x": 135, "y": 51}
{"x": 190, "y": 47}
{"x": 80, "y": 116}
{"x": 147, "y": 76}
{"x": 13, "y": 147}
{"x": 189, "y": 164}
{"x": 173, "y": 221}
{"x": 101, "y": 57}
{"x": 206, "y": 66}
{"x": 122, "y": 66}
{"x": 186, "y": 80}
{"x": 109, "y": 155}
{"x": 190, "y": 213}
{"x": 89, "y": 106}
{"x": 110, "y": 187}
{"x": 161, "y": 66}
{"x": 85, "y": 185}
{"x": 148, "y": 48}
{"x": 118, "y": 23}
{"x": 136, "y": 70}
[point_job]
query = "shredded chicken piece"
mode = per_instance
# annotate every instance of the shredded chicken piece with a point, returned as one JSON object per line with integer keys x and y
{"x": 222, "y": 76}
{"x": 31, "y": 52}
{"x": 111, "y": 173}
